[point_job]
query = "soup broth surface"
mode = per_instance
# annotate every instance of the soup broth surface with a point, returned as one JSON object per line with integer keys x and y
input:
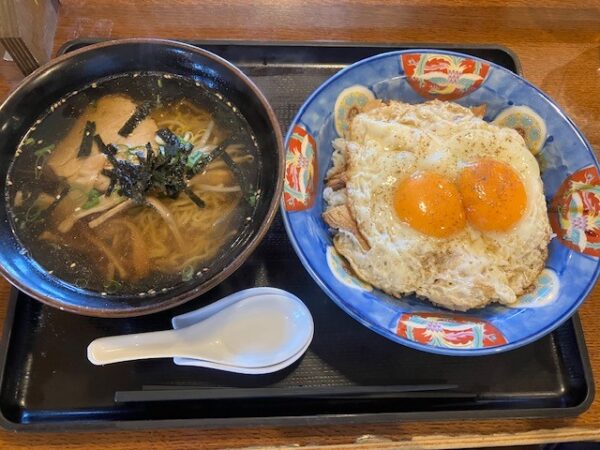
{"x": 134, "y": 184}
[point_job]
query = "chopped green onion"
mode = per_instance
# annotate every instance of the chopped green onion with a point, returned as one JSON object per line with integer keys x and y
{"x": 93, "y": 198}
{"x": 40, "y": 156}
{"x": 253, "y": 198}
{"x": 187, "y": 273}
{"x": 194, "y": 158}
{"x": 44, "y": 150}
{"x": 112, "y": 286}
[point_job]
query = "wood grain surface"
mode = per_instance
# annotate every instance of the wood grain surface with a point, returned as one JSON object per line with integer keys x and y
{"x": 558, "y": 44}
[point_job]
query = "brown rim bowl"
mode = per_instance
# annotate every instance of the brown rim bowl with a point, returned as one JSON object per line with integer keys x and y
{"x": 72, "y": 71}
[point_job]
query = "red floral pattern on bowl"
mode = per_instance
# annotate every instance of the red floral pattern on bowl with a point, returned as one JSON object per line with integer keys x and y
{"x": 300, "y": 181}
{"x": 575, "y": 212}
{"x": 445, "y": 77}
{"x": 445, "y": 330}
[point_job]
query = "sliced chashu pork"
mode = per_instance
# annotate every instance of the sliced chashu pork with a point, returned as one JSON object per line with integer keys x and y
{"x": 109, "y": 114}
{"x": 340, "y": 218}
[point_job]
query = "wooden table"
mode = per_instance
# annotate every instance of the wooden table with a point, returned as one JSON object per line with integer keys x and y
{"x": 559, "y": 46}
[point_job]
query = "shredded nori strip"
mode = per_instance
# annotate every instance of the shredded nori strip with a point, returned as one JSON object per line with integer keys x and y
{"x": 100, "y": 143}
{"x": 54, "y": 204}
{"x": 86, "y": 142}
{"x": 193, "y": 197}
{"x": 104, "y": 149}
{"x": 238, "y": 173}
{"x": 174, "y": 146}
{"x": 140, "y": 113}
{"x": 134, "y": 180}
{"x": 206, "y": 160}
{"x": 165, "y": 172}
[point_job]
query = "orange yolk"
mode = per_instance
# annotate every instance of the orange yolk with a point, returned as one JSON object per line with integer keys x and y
{"x": 430, "y": 203}
{"x": 493, "y": 194}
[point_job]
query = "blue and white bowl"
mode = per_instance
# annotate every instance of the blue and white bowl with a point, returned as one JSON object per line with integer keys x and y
{"x": 571, "y": 185}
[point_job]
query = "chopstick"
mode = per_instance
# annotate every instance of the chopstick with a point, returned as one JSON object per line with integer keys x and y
{"x": 173, "y": 393}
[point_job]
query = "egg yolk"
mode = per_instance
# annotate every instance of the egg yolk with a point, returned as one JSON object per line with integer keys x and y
{"x": 493, "y": 194}
{"x": 430, "y": 203}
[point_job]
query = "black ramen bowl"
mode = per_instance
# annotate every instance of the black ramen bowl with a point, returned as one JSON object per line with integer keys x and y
{"x": 73, "y": 71}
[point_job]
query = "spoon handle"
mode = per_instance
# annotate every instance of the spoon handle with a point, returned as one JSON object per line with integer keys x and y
{"x": 157, "y": 344}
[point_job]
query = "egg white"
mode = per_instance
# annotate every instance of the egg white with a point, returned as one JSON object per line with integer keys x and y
{"x": 467, "y": 270}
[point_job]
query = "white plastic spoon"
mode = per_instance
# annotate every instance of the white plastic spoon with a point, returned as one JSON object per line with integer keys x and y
{"x": 263, "y": 329}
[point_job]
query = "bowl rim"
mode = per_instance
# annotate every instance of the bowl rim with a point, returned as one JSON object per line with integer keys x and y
{"x": 386, "y": 332}
{"x": 197, "y": 288}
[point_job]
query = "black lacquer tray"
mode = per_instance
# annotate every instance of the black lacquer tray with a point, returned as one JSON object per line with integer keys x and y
{"x": 349, "y": 373}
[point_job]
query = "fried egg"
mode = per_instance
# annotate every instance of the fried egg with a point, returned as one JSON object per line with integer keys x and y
{"x": 442, "y": 204}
